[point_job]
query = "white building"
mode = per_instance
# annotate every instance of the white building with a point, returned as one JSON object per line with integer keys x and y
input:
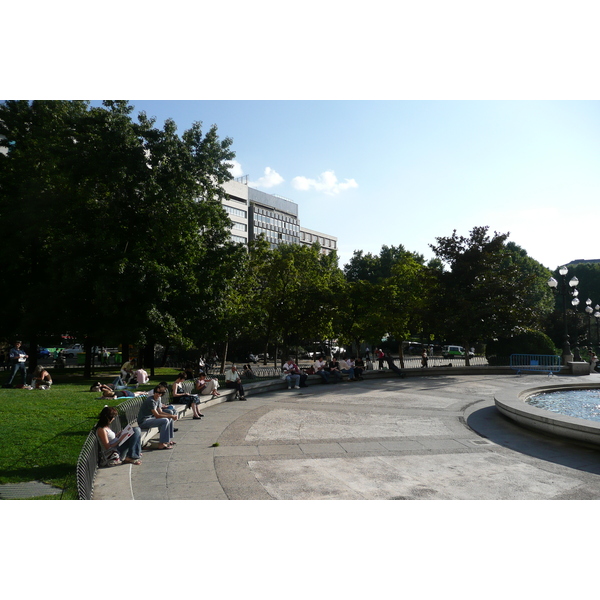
{"x": 254, "y": 213}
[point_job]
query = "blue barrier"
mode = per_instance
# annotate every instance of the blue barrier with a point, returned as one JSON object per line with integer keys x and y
{"x": 540, "y": 363}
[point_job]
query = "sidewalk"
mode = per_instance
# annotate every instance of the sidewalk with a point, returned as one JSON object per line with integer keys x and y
{"x": 415, "y": 438}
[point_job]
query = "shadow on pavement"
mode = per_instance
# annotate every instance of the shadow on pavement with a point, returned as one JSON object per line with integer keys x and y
{"x": 491, "y": 424}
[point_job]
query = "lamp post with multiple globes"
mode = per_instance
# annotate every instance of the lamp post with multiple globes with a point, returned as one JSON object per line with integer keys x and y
{"x": 564, "y": 291}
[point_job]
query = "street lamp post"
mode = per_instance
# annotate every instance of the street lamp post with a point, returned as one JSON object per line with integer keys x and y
{"x": 589, "y": 310}
{"x": 566, "y": 354}
{"x": 597, "y": 315}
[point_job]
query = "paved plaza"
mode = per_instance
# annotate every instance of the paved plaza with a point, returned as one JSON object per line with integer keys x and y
{"x": 437, "y": 438}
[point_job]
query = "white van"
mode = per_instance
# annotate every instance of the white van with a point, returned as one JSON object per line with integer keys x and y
{"x": 450, "y": 351}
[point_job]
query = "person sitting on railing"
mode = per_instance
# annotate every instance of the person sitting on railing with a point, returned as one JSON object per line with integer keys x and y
{"x": 205, "y": 385}
{"x": 180, "y": 396}
{"x": 151, "y": 415}
{"x": 234, "y": 381}
{"x": 117, "y": 448}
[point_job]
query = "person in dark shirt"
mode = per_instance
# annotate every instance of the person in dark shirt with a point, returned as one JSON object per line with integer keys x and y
{"x": 151, "y": 415}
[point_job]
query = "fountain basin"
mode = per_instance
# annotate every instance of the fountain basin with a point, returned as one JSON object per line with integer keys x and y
{"x": 514, "y": 406}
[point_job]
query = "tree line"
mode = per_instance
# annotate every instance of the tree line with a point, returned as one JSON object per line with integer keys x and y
{"x": 114, "y": 232}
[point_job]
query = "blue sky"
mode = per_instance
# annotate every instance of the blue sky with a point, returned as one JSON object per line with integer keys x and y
{"x": 406, "y": 172}
{"x": 384, "y": 130}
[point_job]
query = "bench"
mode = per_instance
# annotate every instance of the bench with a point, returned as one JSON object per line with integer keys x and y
{"x": 87, "y": 464}
{"x": 130, "y": 408}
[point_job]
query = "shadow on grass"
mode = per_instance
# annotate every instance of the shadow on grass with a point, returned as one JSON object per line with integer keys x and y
{"x": 83, "y": 432}
{"x": 55, "y": 473}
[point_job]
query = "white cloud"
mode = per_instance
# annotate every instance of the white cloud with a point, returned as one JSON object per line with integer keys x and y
{"x": 235, "y": 169}
{"x": 270, "y": 179}
{"x": 327, "y": 183}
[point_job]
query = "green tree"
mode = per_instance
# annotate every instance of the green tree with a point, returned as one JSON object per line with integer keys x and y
{"x": 490, "y": 289}
{"x": 126, "y": 221}
{"x": 384, "y": 295}
{"x": 296, "y": 293}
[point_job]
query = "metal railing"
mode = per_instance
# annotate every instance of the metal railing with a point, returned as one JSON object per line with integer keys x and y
{"x": 89, "y": 457}
{"x": 540, "y": 363}
{"x": 87, "y": 466}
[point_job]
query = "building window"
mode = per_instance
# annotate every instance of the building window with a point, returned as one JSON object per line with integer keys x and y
{"x": 235, "y": 211}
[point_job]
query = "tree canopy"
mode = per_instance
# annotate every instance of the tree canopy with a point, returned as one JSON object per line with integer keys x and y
{"x": 489, "y": 289}
{"x": 114, "y": 231}
{"x": 112, "y": 227}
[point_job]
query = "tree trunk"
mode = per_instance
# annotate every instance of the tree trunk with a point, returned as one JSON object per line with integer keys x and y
{"x": 467, "y": 357}
{"x": 165, "y": 355}
{"x": 224, "y": 359}
{"x": 33, "y": 354}
{"x": 87, "y": 368}
{"x": 401, "y": 355}
{"x": 149, "y": 357}
{"x": 125, "y": 351}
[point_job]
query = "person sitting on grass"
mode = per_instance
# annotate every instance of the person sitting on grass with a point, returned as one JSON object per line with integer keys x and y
{"x": 151, "y": 415}
{"x": 127, "y": 369}
{"x": 130, "y": 451}
{"x": 140, "y": 377}
{"x": 41, "y": 379}
{"x": 180, "y": 396}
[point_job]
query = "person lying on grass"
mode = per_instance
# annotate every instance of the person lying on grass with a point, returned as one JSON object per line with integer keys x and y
{"x": 129, "y": 451}
{"x": 109, "y": 392}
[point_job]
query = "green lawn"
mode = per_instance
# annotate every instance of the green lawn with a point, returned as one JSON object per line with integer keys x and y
{"x": 43, "y": 431}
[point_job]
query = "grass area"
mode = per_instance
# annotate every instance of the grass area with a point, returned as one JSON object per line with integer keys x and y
{"x": 43, "y": 431}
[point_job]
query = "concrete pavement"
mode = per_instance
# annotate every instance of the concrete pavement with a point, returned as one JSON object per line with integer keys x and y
{"x": 414, "y": 438}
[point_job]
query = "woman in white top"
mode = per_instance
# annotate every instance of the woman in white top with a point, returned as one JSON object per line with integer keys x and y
{"x": 207, "y": 386}
{"x": 129, "y": 451}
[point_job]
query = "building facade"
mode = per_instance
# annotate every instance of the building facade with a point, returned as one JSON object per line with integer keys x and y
{"x": 254, "y": 212}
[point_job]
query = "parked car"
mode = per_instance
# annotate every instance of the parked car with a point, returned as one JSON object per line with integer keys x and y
{"x": 72, "y": 351}
{"x": 44, "y": 352}
{"x": 455, "y": 351}
{"x": 412, "y": 348}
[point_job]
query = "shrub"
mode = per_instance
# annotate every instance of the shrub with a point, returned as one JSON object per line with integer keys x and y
{"x": 528, "y": 342}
